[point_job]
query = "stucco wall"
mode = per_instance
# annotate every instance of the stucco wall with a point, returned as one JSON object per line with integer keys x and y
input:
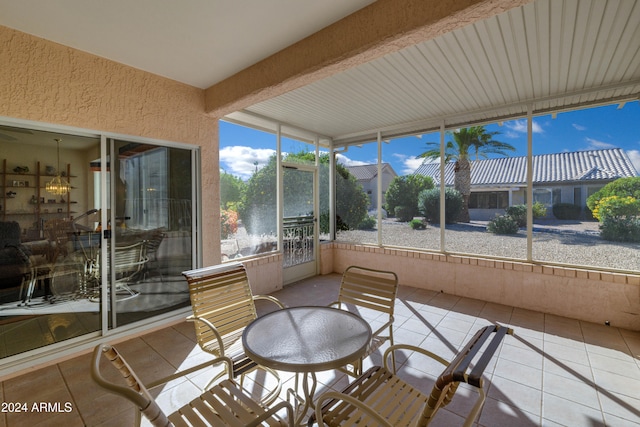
{"x": 47, "y": 82}
{"x": 589, "y": 295}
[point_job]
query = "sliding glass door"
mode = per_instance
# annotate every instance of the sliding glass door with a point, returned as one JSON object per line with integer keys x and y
{"x": 149, "y": 222}
{"x": 94, "y": 234}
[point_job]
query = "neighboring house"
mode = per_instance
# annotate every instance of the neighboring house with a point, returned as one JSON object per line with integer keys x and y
{"x": 367, "y": 176}
{"x": 557, "y": 178}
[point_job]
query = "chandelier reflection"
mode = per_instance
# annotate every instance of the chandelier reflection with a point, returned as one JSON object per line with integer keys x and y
{"x": 58, "y": 185}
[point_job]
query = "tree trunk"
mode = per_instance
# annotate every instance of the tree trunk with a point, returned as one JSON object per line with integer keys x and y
{"x": 462, "y": 183}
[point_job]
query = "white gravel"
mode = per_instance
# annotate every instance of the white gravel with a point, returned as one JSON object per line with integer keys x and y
{"x": 567, "y": 243}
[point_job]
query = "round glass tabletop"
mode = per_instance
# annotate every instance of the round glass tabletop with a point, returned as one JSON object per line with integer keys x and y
{"x": 306, "y": 339}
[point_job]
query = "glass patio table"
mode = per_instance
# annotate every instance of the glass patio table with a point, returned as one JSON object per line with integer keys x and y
{"x": 306, "y": 340}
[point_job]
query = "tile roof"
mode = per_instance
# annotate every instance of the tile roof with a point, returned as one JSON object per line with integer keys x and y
{"x": 576, "y": 166}
{"x": 368, "y": 172}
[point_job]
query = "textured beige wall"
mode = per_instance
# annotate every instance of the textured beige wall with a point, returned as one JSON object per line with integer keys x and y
{"x": 47, "y": 82}
{"x": 589, "y": 295}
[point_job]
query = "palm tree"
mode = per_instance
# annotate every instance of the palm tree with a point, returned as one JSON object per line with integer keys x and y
{"x": 474, "y": 140}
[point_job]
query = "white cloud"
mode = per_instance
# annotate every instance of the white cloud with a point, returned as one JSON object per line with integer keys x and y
{"x": 634, "y": 155}
{"x": 242, "y": 161}
{"x": 344, "y": 160}
{"x": 409, "y": 163}
{"x": 594, "y": 144}
{"x": 579, "y": 127}
{"x": 520, "y": 126}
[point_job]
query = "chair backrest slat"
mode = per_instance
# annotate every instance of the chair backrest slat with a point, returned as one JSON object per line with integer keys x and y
{"x": 222, "y": 296}
{"x": 369, "y": 288}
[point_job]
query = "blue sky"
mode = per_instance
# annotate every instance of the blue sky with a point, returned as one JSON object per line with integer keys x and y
{"x": 243, "y": 149}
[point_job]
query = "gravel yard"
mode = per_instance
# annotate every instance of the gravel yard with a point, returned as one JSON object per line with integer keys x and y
{"x": 569, "y": 242}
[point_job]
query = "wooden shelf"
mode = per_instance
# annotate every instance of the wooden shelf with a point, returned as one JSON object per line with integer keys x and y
{"x": 34, "y": 187}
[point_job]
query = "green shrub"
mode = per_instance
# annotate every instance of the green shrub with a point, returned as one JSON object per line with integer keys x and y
{"x": 404, "y": 190}
{"x": 620, "y": 229}
{"x": 617, "y": 207}
{"x": 417, "y": 224}
{"x": 539, "y": 210}
{"x": 369, "y": 223}
{"x": 566, "y": 211}
{"x": 503, "y": 224}
{"x": 405, "y": 213}
{"x": 620, "y": 187}
{"x": 429, "y": 204}
{"x": 518, "y": 213}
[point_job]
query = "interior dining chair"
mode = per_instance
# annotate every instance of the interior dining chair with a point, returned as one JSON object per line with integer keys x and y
{"x": 362, "y": 290}
{"x": 223, "y": 306}
{"x": 380, "y": 397}
{"x": 224, "y": 404}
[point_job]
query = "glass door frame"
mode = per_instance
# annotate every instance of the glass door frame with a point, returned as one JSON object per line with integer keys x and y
{"x": 310, "y": 268}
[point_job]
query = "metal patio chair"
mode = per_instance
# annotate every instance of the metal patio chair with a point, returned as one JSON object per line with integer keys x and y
{"x": 224, "y": 404}
{"x": 223, "y": 305}
{"x": 379, "y": 397}
{"x": 363, "y": 289}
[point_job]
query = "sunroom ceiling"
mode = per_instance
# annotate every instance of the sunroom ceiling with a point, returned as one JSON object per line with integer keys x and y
{"x": 553, "y": 55}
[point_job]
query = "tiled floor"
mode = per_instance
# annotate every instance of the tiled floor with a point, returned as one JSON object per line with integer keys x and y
{"x": 554, "y": 371}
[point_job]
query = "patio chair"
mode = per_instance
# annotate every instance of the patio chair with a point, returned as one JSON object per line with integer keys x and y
{"x": 363, "y": 289}
{"x": 225, "y": 404}
{"x": 223, "y": 305}
{"x": 58, "y": 231}
{"x": 379, "y": 397}
{"x": 129, "y": 262}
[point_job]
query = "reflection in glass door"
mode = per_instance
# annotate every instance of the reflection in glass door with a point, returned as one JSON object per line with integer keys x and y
{"x": 150, "y": 223}
{"x": 299, "y": 225}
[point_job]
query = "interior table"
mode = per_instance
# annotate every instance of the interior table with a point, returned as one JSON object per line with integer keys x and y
{"x": 306, "y": 340}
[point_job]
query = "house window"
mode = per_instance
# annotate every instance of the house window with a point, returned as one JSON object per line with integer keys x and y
{"x": 542, "y": 195}
{"x": 489, "y": 200}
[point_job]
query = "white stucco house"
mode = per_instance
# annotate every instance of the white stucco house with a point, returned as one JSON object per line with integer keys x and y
{"x": 367, "y": 176}
{"x": 568, "y": 177}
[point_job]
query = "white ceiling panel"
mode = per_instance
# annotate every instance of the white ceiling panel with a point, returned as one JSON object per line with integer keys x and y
{"x": 551, "y": 54}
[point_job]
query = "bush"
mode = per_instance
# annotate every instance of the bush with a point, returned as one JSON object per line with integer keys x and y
{"x": 518, "y": 213}
{"x": 429, "y": 204}
{"x": 617, "y": 207}
{"x": 566, "y": 211}
{"x": 503, "y": 224}
{"x": 622, "y": 187}
{"x": 539, "y": 210}
{"x": 228, "y": 223}
{"x": 405, "y": 213}
{"x": 404, "y": 190}
{"x": 369, "y": 223}
{"x": 620, "y": 229}
{"x": 417, "y": 224}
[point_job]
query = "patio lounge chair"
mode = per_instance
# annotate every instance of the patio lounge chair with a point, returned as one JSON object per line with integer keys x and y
{"x": 379, "y": 397}
{"x": 224, "y": 404}
{"x": 363, "y": 289}
{"x": 223, "y": 305}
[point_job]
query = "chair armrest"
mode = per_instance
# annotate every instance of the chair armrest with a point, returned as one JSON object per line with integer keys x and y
{"x": 424, "y": 352}
{"x": 334, "y": 395}
{"x": 274, "y": 300}
{"x": 211, "y": 326}
{"x": 207, "y": 364}
{"x": 272, "y": 411}
{"x": 383, "y": 327}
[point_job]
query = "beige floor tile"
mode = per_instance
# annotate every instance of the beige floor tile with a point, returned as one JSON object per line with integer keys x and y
{"x": 578, "y": 373}
{"x": 576, "y": 391}
{"x": 568, "y": 413}
{"x": 620, "y": 406}
{"x": 498, "y": 413}
{"x": 515, "y": 394}
{"x": 562, "y": 352}
{"x": 519, "y": 373}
